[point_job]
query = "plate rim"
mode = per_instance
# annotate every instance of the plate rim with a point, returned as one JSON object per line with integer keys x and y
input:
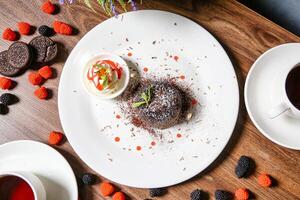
{"x": 246, "y": 89}
{"x": 231, "y": 130}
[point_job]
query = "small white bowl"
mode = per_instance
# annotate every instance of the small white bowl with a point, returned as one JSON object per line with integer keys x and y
{"x": 33, "y": 181}
{"x": 125, "y": 76}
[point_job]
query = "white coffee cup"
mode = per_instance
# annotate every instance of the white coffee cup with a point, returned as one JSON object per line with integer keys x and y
{"x": 32, "y": 180}
{"x": 285, "y": 106}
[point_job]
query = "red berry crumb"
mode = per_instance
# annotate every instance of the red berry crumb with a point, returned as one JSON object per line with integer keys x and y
{"x": 35, "y": 79}
{"x": 55, "y": 138}
{"x": 264, "y": 180}
{"x": 119, "y": 196}
{"x": 62, "y": 28}
{"x": 242, "y": 194}
{"x": 41, "y": 93}
{"x": 48, "y": 7}
{"x": 5, "y": 83}
{"x": 46, "y": 72}
{"x": 24, "y": 28}
{"x": 9, "y": 34}
{"x": 65, "y": 29}
{"x": 107, "y": 189}
{"x": 56, "y": 26}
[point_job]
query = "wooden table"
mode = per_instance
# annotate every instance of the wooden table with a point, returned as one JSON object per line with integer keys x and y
{"x": 244, "y": 34}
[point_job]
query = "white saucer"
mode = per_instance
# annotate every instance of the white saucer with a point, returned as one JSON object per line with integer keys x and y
{"x": 46, "y": 163}
{"x": 261, "y": 94}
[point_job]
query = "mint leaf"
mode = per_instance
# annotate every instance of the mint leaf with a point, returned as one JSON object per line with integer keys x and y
{"x": 138, "y": 104}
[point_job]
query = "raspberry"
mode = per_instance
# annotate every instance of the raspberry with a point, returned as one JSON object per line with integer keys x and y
{"x": 106, "y": 189}
{"x": 196, "y": 195}
{"x": 55, "y": 138}
{"x": 65, "y": 29}
{"x": 24, "y": 28}
{"x": 35, "y": 79}
{"x": 48, "y": 7}
{"x": 41, "y": 93}
{"x": 242, "y": 194}
{"x": 89, "y": 179}
{"x": 5, "y": 83}
{"x": 8, "y": 99}
{"x": 264, "y": 180}
{"x": 62, "y": 28}
{"x": 243, "y": 166}
{"x": 157, "y": 192}
{"x": 223, "y": 195}
{"x": 9, "y": 34}
{"x": 45, "y": 30}
{"x": 56, "y": 26}
{"x": 45, "y": 72}
{"x": 119, "y": 196}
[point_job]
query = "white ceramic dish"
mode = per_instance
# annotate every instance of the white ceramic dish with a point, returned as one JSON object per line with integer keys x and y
{"x": 263, "y": 91}
{"x": 44, "y": 162}
{"x": 162, "y": 44}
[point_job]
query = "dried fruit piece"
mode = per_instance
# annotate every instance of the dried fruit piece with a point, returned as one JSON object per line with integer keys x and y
{"x": 196, "y": 195}
{"x": 157, "y": 192}
{"x": 107, "y": 189}
{"x": 89, "y": 179}
{"x": 45, "y": 30}
{"x": 223, "y": 195}
{"x": 119, "y": 196}
{"x": 9, "y": 34}
{"x": 5, "y": 83}
{"x": 48, "y": 7}
{"x": 24, "y": 28}
{"x": 243, "y": 166}
{"x": 8, "y": 99}
{"x": 55, "y": 138}
{"x": 241, "y": 194}
{"x": 41, "y": 93}
{"x": 35, "y": 78}
{"x": 264, "y": 180}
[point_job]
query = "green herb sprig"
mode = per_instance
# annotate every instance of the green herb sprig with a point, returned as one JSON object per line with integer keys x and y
{"x": 146, "y": 96}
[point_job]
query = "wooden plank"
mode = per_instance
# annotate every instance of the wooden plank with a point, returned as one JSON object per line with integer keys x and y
{"x": 244, "y": 34}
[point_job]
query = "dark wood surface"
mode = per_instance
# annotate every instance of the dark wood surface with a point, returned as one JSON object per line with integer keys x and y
{"x": 244, "y": 34}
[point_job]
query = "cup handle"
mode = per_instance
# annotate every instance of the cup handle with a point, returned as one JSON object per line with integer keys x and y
{"x": 278, "y": 110}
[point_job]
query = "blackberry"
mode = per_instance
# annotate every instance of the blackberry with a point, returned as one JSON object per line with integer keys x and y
{"x": 157, "y": 192}
{"x": 8, "y": 99}
{"x": 223, "y": 195}
{"x": 45, "y": 30}
{"x": 196, "y": 195}
{"x": 243, "y": 166}
{"x": 89, "y": 179}
{"x": 3, "y": 109}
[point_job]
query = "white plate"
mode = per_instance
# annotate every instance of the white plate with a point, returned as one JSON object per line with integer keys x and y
{"x": 262, "y": 90}
{"x": 47, "y": 164}
{"x": 148, "y": 35}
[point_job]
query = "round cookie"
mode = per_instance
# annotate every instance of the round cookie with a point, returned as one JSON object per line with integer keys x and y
{"x": 44, "y": 49}
{"x": 19, "y": 55}
{"x": 5, "y": 68}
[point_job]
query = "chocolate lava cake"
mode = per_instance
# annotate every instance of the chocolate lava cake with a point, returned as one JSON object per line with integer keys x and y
{"x": 164, "y": 107}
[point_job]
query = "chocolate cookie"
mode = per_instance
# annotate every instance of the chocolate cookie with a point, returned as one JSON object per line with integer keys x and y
{"x": 19, "y": 55}
{"x": 44, "y": 49}
{"x": 5, "y": 68}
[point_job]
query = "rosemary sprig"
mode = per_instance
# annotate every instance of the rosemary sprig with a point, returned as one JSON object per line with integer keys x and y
{"x": 146, "y": 96}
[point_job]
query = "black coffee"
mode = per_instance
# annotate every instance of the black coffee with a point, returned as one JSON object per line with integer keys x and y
{"x": 292, "y": 86}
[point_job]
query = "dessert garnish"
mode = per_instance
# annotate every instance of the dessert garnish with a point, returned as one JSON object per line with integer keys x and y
{"x": 146, "y": 96}
{"x": 104, "y": 74}
{"x": 243, "y": 166}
